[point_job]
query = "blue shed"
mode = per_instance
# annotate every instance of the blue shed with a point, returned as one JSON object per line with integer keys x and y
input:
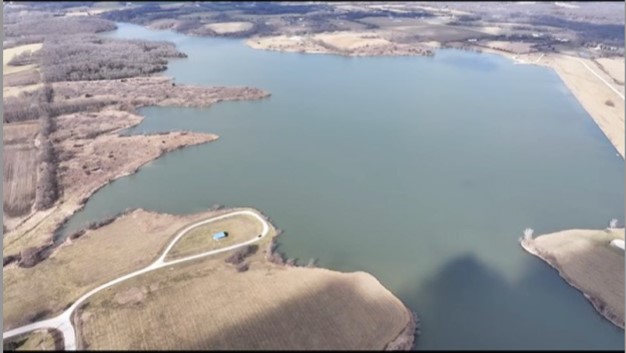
{"x": 220, "y": 235}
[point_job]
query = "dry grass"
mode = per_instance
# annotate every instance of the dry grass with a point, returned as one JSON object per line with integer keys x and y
{"x": 130, "y": 243}
{"x": 155, "y": 90}
{"x": 8, "y": 54}
{"x": 511, "y": 47}
{"x": 19, "y": 133}
{"x": 229, "y": 27}
{"x": 14, "y": 91}
{"x": 613, "y": 67}
{"x": 87, "y": 12}
{"x": 269, "y": 306}
{"x": 207, "y": 305}
{"x": 342, "y": 43}
{"x": 586, "y": 260}
{"x": 592, "y": 94}
{"x": 240, "y": 228}
{"x": 423, "y": 29}
{"x": 80, "y": 126}
{"x": 352, "y": 40}
{"x": 18, "y": 81}
{"x": 19, "y": 166}
{"x": 163, "y": 24}
{"x": 36, "y": 340}
{"x": 95, "y": 162}
{"x": 92, "y": 154}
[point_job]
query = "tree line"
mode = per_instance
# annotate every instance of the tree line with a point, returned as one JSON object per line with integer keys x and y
{"x": 47, "y": 191}
{"x": 80, "y": 57}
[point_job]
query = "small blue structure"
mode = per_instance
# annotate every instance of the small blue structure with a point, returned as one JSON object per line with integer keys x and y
{"x": 220, "y": 235}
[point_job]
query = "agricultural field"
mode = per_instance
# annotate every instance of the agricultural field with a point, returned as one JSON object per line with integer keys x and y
{"x": 36, "y": 340}
{"x": 586, "y": 260}
{"x": 19, "y": 168}
{"x": 239, "y": 228}
{"x": 208, "y": 305}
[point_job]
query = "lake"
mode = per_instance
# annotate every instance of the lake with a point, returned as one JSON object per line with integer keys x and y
{"x": 423, "y": 171}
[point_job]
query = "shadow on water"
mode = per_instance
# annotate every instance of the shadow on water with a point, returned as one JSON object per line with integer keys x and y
{"x": 473, "y": 301}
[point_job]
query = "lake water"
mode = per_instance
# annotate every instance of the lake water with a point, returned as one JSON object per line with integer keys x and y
{"x": 422, "y": 171}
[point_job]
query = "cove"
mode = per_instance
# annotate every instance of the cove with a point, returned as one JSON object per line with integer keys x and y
{"x": 423, "y": 171}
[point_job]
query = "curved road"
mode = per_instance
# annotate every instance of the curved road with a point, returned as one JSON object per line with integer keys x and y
{"x": 63, "y": 322}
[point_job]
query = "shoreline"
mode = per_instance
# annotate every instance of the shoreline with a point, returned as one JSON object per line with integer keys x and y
{"x": 604, "y": 121}
{"x": 403, "y": 341}
{"x": 39, "y": 228}
{"x": 74, "y": 207}
{"x": 597, "y": 304}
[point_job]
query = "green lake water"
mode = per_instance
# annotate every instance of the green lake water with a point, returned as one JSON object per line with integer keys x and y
{"x": 423, "y": 171}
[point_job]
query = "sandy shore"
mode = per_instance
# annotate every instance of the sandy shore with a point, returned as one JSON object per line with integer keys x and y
{"x": 586, "y": 261}
{"x": 592, "y": 85}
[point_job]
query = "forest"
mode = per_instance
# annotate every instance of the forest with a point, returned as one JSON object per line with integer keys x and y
{"x": 81, "y": 57}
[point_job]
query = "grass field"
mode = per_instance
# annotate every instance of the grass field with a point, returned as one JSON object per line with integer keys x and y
{"x": 35, "y": 340}
{"x": 208, "y": 305}
{"x": 585, "y": 259}
{"x": 8, "y": 54}
{"x": 128, "y": 244}
{"x": 240, "y": 228}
